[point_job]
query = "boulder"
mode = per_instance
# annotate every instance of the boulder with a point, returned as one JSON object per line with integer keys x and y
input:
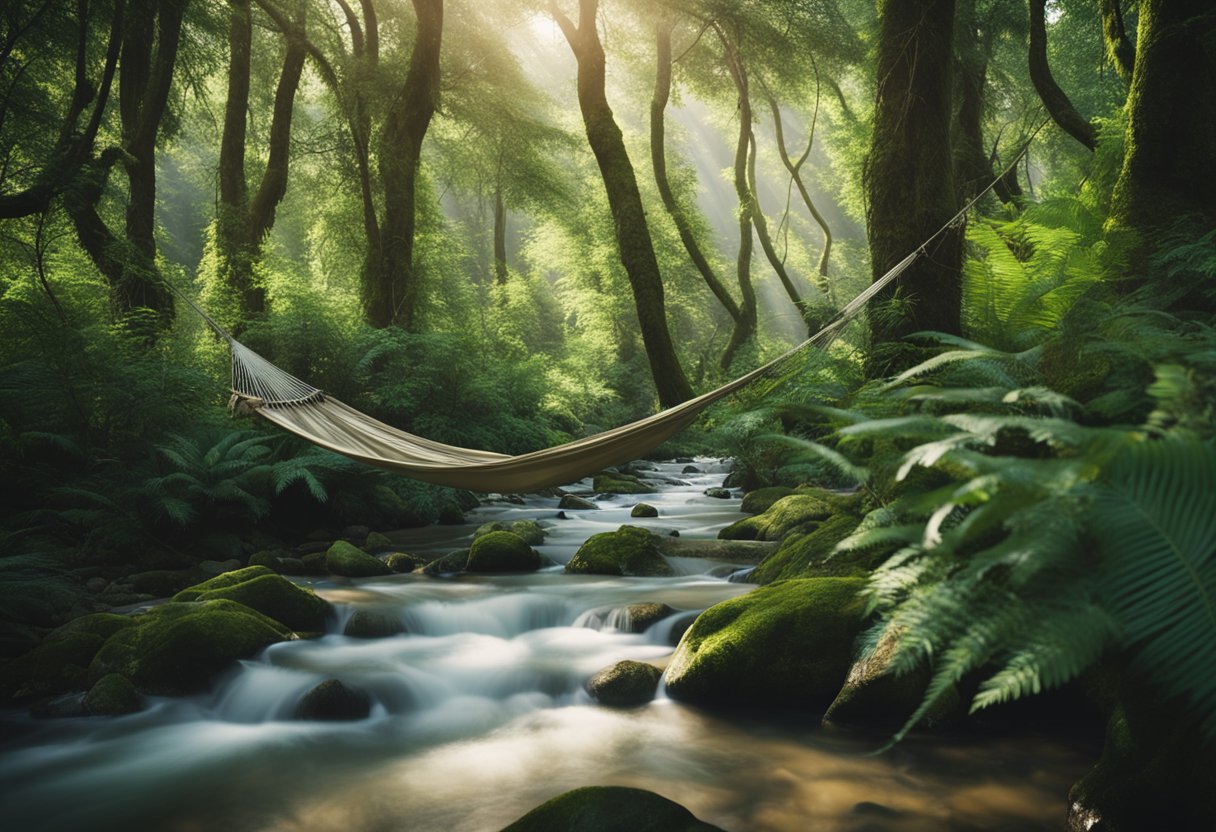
{"x": 609, "y": 809}
{"x": 502, "y": 552}
{"x": 690, "y": 469}
{"x": 641, "y": 616}
{"x": 451, "y": 562}
{"x": 532, "y": 532}
{"x": 617, "y": 483}
{"x": 630, "y": 551}
{"x": 810, "y": 552}
{"x": 574, "y": 502}
{"x": 624, "y": 684}
{"x": 718, "y": 493}
{"x": 176, "y": 648}
{"x": 350, "y": 561}
{"x": 644, "y": 510}
{"x": 270, "y": 594}
{"x": 268, "y": 559}
{"x": 375, "y": 541}
{"x": 59, "y": 664}
{"x": 782, "y": 517}
{"x": 113, "y": 695}
{"x": 334, "y": 701}
{"x": 372, "y": 624}
{"x": 759, "y": 501}
{"x": 450, "y": 514}
{"x": 402, "y": 562}
{"x": 790, "y": 643}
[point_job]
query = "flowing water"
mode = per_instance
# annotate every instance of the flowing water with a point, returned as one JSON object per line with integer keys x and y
{"x": 479, "y": 715}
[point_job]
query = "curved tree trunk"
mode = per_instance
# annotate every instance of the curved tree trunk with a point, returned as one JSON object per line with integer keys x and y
{"x": 766, "y": 241}
{"x": 1057, "y": 102}
{"x": 633, "y": 235}
{"x": 908, "y": 177}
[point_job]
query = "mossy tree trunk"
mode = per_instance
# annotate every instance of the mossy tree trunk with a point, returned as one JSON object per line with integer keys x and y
{"x": 909, "y": 178}
{"x": 500, "y": 234}
{"x": 1059, "y": 105}
{"x": 1119, "y": 49}
{"x": 634, "y": 243}
{"x": 1169, "y": 163}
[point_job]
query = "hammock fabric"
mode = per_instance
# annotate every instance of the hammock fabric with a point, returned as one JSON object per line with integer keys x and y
{"x": 297, "y": 407}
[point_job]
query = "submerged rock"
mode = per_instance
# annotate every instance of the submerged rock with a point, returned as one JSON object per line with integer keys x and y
{"x": 630, "y": 550}
{"x": 617, "y": 483}
{"x": 350, "y": 561}
{"x": 641, "y": 616}
{"x": 718, "y": 493}
{"x": 372, "y": 624}
{"x": 787, "y": 644}
{"x": 272, "y": 595}
{"x": 609, "y": 809}
{"x": 690, "y": 469}
{"x": 502, "y": 552}
{"x": 573, "y": 501}
{"x": 113, "y": 695}
{"x": 451, "y": 562}
{"x": 644, "y": 510}
{"x": 624, "y": 684}
{"x": 403, "y": 562}
{"x": 334, "y": 701}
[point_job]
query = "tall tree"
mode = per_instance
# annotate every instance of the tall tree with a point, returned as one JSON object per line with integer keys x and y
{"x": 1059, "y": 105}
{"x": 908, "y": 176}
{"x": 634, "y": 243}
{"x": 1119, "y": 49}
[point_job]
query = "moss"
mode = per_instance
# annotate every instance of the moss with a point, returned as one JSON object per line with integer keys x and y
{"x": 451, "y": 562}
{"x": 102, "y": 624}
{"x": 502, "y": 552}
{"x": 609, "y": 483}
{"x": 271, "y": 595}
{"x": 759, "y": 501}
{"x": 531, "y": 532}
{"x": 609, "y": 809}
{"x": 782, "y": 517}
{"x": 375, "y": 540}
{"x": 403, "y": 562}
{"x": 790, "y": 643}
{"x": 450, "y": 514}
{"x": 644, "y": 510}
{"x": 224, "y": 581}
{"x": 810, "y": 554}
{"x": 56, "y": 666}
{"x": 624, "y": 684}
{"x": 629, "y": 550}
{"x": 113, "y": 695}
{"x": 574, "y": 502}
{"x": 350, "y": 561}
{"x": 267, "y": 560}
{"x": 177, "y": 648}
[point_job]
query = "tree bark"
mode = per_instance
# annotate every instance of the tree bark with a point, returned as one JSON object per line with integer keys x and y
{"x": 1119, "y": 49}
{"x": 1169, "y": 162}
{"x": 390, "y": 288}
{"x": 766, "y": 241}
{"x": 908, "y": 178}
{"x": 658, "y": 158}
{"x": 1057, "y": 102}
{"x": 500, "y": 237}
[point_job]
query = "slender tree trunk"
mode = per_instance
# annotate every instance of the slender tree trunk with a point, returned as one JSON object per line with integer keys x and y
{"x": 973, "y": 165}
{"x": 766, "y": 241}
{"x": 633, "y": 235}
{"x": 658, "y": 158}
{"x": 908, "y": 177}
{"x": 1169, "y": 162}
{"x": 500, "y": 237}
{"x": 1119, "y": 49}
{"x": 1057, "y": 102}
{"x": 392, "y": 296}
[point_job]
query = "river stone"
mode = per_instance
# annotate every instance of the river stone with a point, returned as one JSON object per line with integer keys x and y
{"x": 372, "y": 624}
{"x": 113, "y": 695}
{"x": 450, "y": 514}
{"x": 350, "y": 561}
{"x": 531, "y": 531}
{"x": 402, "y": 562}
{"x": 60, "y": 662}
{"x": 786, "y": 644}
{"x": 760, "y": 500}
{"x": 641, "y": 616}
{"x": 690, "y": 469}
{"x": 375, "y": 540}
{"x": 610, "y": 483}
{"x": 219, "y": 567}
{"x": 624, "y": 684}
{"x": 573, "y": 501}
{"x": 502, "y": 552}
{"x": 96, "y": 585}
{"x": 644, "y": 510}
{"x": 630, "y": 551}
{"x": 334, "y": 701}
{"x": 718, "y": 493}
{"x": 451, "y": 562}
{"x": 609, "y": 809}
{"x": 176, "y": 648}
{"x": 782, "y": 517}
{"x": 270, "y": 594}
{"x": 267, "y": 558}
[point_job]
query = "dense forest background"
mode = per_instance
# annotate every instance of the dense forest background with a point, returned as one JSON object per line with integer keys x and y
{"x": 507, "y": 225}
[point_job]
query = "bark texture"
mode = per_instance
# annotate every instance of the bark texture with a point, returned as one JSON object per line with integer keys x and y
{"x": 1059, "y": 105}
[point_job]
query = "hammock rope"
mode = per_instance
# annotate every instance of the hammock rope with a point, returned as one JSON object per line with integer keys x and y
{"x": 258, "y": 386}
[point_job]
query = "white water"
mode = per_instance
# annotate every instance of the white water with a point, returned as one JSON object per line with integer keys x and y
{"x": 479, "y": 714}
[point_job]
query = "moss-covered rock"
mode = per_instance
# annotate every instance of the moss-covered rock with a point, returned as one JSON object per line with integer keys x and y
{"x": 609, "y": 809}
{"x": 113, "y": 695}
{"x": 629, "y": 550}
{"x": 451, "y": 562}
{"x": 532, "y": 532}
{"x": 350, "y": 561}
{"x": 782, "y": 517}
{"x": 372, "y": 624}
{"x": 575, "y": 502}
{"x": 270, "y": 594}
{"x": 809, "y": 553}
{"x": 403, "y": 562}
{"x": 450, "y": 514}
{"x": 334, "y": 701}
{"x": 644, "y": 510}
{"x": 177, "y": 648}
{"x": 267, "y": 559}
{"x": 59, "y": 664}
{"x": 760, "y": 500}
{"x": 718, "y": 493}
{"x": 790, "y": 643}
{"x": 376, "y": 542}
{"x": 502, "y": 552}
{"x": 624, "y": 684}
{"x": 610, "y": 483}
{"x": 641, "y": 616}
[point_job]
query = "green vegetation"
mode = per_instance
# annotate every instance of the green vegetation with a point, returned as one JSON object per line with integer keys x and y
{"x": 630, "y": 551}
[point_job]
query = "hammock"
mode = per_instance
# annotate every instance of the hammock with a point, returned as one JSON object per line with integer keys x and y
{"x": 260, "y": 387}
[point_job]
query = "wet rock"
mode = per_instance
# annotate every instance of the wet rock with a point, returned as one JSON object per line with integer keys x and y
{"x": 782, "y": 517}
{"x": 272, "y": 560}
{"x": 314, "y": 563}
{"x": 735, "y": 551}
{"x": 450, "y": 514}
{"x": 718, "y": 493}
{"x": 334, "y": 701}
{"x": 272, "y": 595}
{"x": 529, "y": 530}
{"x": 293, "y": 566}
{"x": 690, "y": 469}
{"x": 573, "y": 501}
{"x": 353, "y": 533}
{"x": 219, "y": 567}
{"x": 760, "y": 500}
{"x": 350, "y": 561}
{"x": 609, "y": 809}
{"x": 786, "y": 644}
{"x": 375, "y": 542}
{"x": 624, "y": 684}
{"x": 644, "y": 510}
{"x": 561, "y": 515}
{"x": 312, "y": 547}
{"x": 501, "y": 552}
{"x": 402, "y": 562}
{"x": 59, "y": 664}
{"x": 176, "y": 648}
{"x": 683, "y": 460}
{"x": 113, "y": 695}
{"x": 628, "y": 551}
{"x": 451, "y": 562}
{"x": 516, "y": 499}
{"x": 641, "y": 616}
{"x": 609, "y": 483}
{"x": 372, "y": 624}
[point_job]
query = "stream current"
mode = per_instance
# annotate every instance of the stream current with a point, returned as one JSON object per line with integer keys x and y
{"x": 479, "y": 715}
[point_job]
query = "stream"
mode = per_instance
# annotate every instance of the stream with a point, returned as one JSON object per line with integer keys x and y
{"x": 479, "y": 715}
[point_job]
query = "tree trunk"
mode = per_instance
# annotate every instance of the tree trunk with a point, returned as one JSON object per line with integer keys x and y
{"x": 908, "y": 177}
{"x": 391, "y": 296}
{"x": 634, "y": 243}
{"x": 766, "y": 241}
{"x": 1119, "y": 49}
{"x": 1169, "y": 162}
{"x": 1057, "y": 102}
{"x": 500, "y": 237}
{"x": 658, "y": 158}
